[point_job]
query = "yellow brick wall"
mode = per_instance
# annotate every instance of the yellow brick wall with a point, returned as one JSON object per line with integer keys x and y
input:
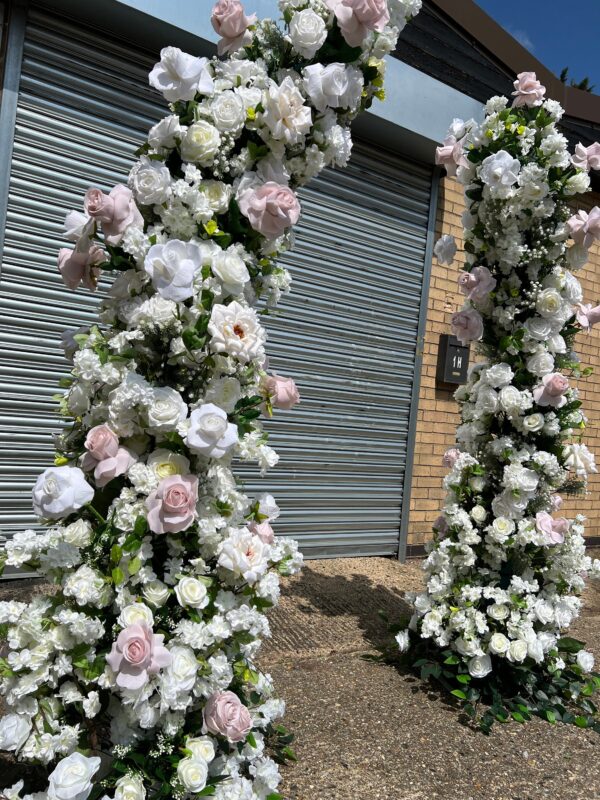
{"x": 437, "y": 413}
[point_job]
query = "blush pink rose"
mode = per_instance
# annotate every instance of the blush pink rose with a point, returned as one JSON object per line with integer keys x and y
{"x": 172, "y": 506}
{"x": 78, "y": 267}
{"x": 357, "y": 17}
{"x": 226, "y": 715}
{"x": 263, "y": 530}
{"x": 477, "y": 284}
{"x": 450, "y": 457}
{"x": 137, "y": 654}
{"x": 586, "y": 158}
{"x": 467, "y": 325}
{"x": 115, "y": 211}
{"x": 556, "y": 502}
{"x": 282, "y": 391}
{"x": 104, "y": 455}
{"x": 112, "y": 467}
{"x": 528, "y": 90}
{"x": 585, "y": 228}
{"x": 586, "y": 315}
{"x": 551, "y": 391}
{"x": 271, "y": 208}
{"x": 450, "y": 155}
{"x": 553, "y": 529}
{"x": 231, "y": 24}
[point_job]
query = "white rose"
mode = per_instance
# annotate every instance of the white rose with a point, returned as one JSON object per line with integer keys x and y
{"x": 235, "y": 330}
{"x": 72, "y": 777}
{"x": 210, "y": 433}
{"x": 166, "y": 409}
{"x": 333, "y": 86}
{"x": 59, "y": 491}
{"x": 218, "y": 195}
{"x": 487, "y": 400}
{"x": 578, "y": 184}
{"x": 498, "y": 611}
{"x": 549, "y": 303}
{"x": 193, "y": 773}
{"x": 480, "y": 666}
{"x": 499, "y": 644}
{"x": 244, "y": 555}
{"x": 165, "y": 133}
{"x": 179, "y": 76}
{"x": 201, "y": 747}
{"x": 403, "y": 639}
{"x": 14, "y": 732}
{"x": 517, "y": 650}
{"x": 500, "y": 172}
{"x": 498, "y": 375}
{"x": 543, "y": 611}
{"x": 502, "y": 528}
{"x": 172, "y": 268}
{"x": 156, "y": 593}
{"x": 136, "y": 614}
{"x": 231, "y": 270}
{"x": 165, "y": 463}
{"x": 78, "y": 533}
{"x": 511, "y": 400}
{"x": 228, "y": 112}
{"x": 268, "y": 507}
{"x": 286, "y": 116}
{"x": 224, "y": 392}
{"x": 180, "y": 675}
{"x": 585, "y": 660}
{"x": 445, "y": 249}
{"x": 467, "y": 647}
{"x": 534, "y": 422}
{"x": 130, "y": 787}
{"x": 192, "y": 593}
{"x": 200, "y": 143}
{"x": 541, "y": 363}
{"x": 579, "y": 459}
{"x": 477, "y": 483}
{"x": 308, "y": 31}
{"x": 150, "y": 181}
{"x": 478, "y": 513}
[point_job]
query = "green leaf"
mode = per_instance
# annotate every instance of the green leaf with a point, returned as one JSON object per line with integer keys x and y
{"x": 463, "y": 678}
{"x": 141, "y": 527}
{"x": 581, "y": 722}
{"x": 251, "y": 740}
{"x": 115, "y": 553}
{"x": 134, "y": 566}
{"x": 516, "y": 715}
{"x": 118, "y": 576}
{"x": 569, "y": 645}
{"x": 459, "y": 693}
{"x": 550, "y": 716}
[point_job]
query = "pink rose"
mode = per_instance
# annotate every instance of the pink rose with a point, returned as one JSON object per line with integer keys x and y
{"x": 110, "y": 468}
{"x": 586, "y": 158}
{"x": 585, "y": 228}
{"x": 226, "y": 715}
{"x": 357, "y": 17}
{"x": 551, "y": 390}
{"x": 104, "y": 455}
{"x": 271, "y": 208}
{"x": 477, "y": 284}
{"x": 451, "y": 155}
{"x": 115, "y": 211}
{"x": 137, "y": 654}
{"x": 556, "y": 502}
{"x": 172, "y": 506}
{"x": 586, "y": 315}
{"x": 467, "y": 325}
{"x": 80, "y": 267}
{"x": 553, "y": 529}
{"x": 450, "y": 457}
{"x": 528, "y": 90}
{"x": 231, "y": 23}
{"x": 282, "y": 391}
{"x": 263, "y": 530}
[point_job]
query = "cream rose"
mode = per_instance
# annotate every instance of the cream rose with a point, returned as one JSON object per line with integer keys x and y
{"x": 200, "y": 143}
{"x": 192, "y": 593}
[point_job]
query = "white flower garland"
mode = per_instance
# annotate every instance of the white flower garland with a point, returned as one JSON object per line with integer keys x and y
{"x": 503, "y": 572}
{"x": 164, "y": 567}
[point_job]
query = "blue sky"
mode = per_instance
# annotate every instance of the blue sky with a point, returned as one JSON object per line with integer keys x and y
{"x": 544, "y": 28}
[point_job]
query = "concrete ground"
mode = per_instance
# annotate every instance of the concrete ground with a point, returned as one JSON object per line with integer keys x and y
{"x": 364, "y": 730}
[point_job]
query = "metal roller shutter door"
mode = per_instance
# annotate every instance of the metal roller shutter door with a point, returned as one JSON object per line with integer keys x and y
{"x": 347, "y": 333}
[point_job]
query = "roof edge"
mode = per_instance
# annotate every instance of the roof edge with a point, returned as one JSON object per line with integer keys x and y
{"x": 504, "y": 47}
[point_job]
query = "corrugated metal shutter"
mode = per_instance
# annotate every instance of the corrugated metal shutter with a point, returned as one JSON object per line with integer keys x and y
{"x": 347, "y": 333}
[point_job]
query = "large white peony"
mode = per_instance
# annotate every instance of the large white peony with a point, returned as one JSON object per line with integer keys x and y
{"x": 285, "y": 114}
{"x": 333, "y": 86}
{"x": 210, "y": 433}
{"x": 72, "y": 777}
{"x": 235, "y": 330}
{"x": 179, "y": 76}
{"x": 245, "y": 555}
{"x": 500, "y": 172}
{"x": 59, "y": 491}
{"x": 172, "y": 267}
